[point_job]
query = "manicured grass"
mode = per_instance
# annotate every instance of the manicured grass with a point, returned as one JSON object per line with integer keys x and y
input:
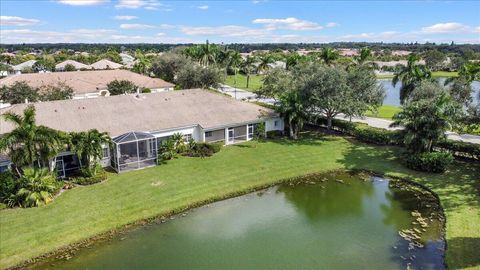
{"x": 384, "y": 112}
{"x": 254, "y": 84}
{"x": 86, "y": 211}
{"x": 435, "y": 74}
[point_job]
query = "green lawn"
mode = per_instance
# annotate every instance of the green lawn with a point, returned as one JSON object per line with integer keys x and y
{"x": 254, "y": 84}
{"x": 86, "y": 211}
{"x": 435, "y": 74}
{"x": 385, "y": 112}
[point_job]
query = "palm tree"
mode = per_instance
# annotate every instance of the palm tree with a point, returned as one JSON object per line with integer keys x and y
{"x": 329, "y": 55}
{"x": 292, "y": 59}
{"x": 28, "y": 143}
{"x": 264, "y": 64}
{"x": 248, "y": 66}
{"x": 88, "y": 145}
{"x": 425, "y": 122}
{"x": 37, "y": 187}
{"x": 291, "y": 108}
{"x": 142, "y": 64}
{"x": 235, "y": 61}
{"x": 410, "y": 76}
{"x": 207, "y": 54}
{"x": 192, "y": 52}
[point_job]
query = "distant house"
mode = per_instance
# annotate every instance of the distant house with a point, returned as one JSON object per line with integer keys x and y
{"x": 278, "y": 64}
{"x": 78, "y": 66}
{"x": 105, "y": 64}
{"x": 127, "y": 60}
{"x": 139, "y": 123}
{"x": 381, "y": 64}
{"x": 89, "y": 84}
{"x": 17, "y": 69}
{"x": 348, "y": 52}
{"x": 401, "y": 53}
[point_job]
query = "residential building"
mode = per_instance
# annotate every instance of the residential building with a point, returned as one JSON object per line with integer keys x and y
{"x": 105, "y": 64}
{"x": 78, "y": 66}
{"x": 17, "y": 69}
{"x": 89, "y": 84}
{"x": 139, "y": 123}
{"x": 127, "y": 60}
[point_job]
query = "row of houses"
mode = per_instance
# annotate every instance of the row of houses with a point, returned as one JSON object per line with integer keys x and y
{"x": 88, "y": 84}
{"x": 138, "y": 123}
{"x": 29, "y": 65}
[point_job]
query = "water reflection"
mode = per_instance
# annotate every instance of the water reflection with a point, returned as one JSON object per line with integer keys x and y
{"x": 393, "y": 93}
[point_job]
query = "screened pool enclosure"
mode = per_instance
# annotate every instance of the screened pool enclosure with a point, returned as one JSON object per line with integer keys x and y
{"x": 134, "y": 150}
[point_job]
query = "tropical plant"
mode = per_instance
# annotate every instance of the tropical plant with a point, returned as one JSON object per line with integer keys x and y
{"x": 207, "y": 54}
{"x": 88, "y": 145}
{"x": 194, "y": 76}
{"x": 291, "y": 107}
{"x": 425, "y": 122}
{"x": 143, "y": 64}
{"x": 234, "y": 62}
{"x": 248, "y": 67}
{"x": 410, "y": 75}
{"x": 28, "y": 143}
{"x": 329, "y": 55}
{"x": 37, "y": 187}
{"x": 264, "y": 62}
{"x": 168, "y": 65}
{"x": 61, "y": 91}
{"x": 69, "y": 67}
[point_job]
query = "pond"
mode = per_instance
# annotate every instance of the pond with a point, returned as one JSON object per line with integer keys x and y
{"x": 393, "y": 93}
{"x": 335, "y": 221}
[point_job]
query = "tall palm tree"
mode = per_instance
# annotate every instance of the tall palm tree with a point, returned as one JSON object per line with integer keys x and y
{"x": 235, "y": 61}
{"x": 329, "y": 55}
{"x": 28, "y": 143}
{"x": 142, "y": 64}
{"x": 264, "y": 62}
{"x": 207, "y": 54}
{"x": 292, "y": 60}
{"x": 192, "y": 52}
{"x": 410, "y": 76}
{"x": 291, "y": 108}
{"x": 88, "y": 145}
{"x": 248, "y": 66}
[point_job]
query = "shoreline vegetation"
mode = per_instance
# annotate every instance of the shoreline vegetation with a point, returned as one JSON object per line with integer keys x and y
{"x": 256, "y": 80}
{"x": 136, "y": 197}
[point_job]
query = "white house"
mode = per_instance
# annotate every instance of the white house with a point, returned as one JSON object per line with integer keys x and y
{"x": 78, "y": 66}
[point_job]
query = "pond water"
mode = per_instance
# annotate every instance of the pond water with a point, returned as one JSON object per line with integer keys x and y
{"x": 335, "y": 221}
{"x": 393, "y": 93}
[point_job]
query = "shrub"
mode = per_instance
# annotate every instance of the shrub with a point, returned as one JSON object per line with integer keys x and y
{"x": 458, "y": 148}
{"x": 375, "y": 135}
{"x": 436, "y": 162}
{"x": 203, "y": 149}
{"x": 216, "y": 146}
{"x": 36, "y": 187}
{"x": 274, "y": 134}
{"x": 100, "y": 176}
{"x": 8, "y": 186}
{"x": 146, "y": 90}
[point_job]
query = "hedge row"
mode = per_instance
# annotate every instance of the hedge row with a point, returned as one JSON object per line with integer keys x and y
{"x": 381, "y": 136}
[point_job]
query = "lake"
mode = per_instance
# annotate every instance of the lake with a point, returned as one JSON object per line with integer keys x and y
{"x": 393, "y": 93}
{"x": 334, "y": 221}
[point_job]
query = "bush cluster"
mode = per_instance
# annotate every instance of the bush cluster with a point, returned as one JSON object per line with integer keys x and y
{"x": 90, "y": 179}
{"x": 203, "y": 149}
{"x": 435, "y": 162}
{"x": 382, "y": 136}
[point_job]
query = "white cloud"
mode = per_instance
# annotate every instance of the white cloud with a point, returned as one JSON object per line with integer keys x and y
{"x": 125, "y": 17}
{"x": 224, "y": 31}
{"x": 166, "y": 26}
{"x": 17, "y": 21}
{"x": 83, "y": 2}
{"x": 290, "y": 23}
{"x": 135, "y": 26}
{"x": 331, "y": 24}
{"x": 449, "y": 27}
{"x": 135, "y": 4}
{"x": 204, "y": 7}
{"x": 17, "y": 36}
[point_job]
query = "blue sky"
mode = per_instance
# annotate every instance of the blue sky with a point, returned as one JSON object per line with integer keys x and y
{"x": 132, "y": 21}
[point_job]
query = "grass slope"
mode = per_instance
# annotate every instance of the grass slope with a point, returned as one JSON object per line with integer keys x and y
{"x": 254, "y": 84}
{"x": 86, "y": 211}
{"x": 385, "y": 112}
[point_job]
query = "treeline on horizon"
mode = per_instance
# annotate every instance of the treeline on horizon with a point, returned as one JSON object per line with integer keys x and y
{"x": 248, "y": 47}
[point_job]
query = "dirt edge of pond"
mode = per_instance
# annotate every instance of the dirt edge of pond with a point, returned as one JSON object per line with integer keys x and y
{"x": 69, "y": 251}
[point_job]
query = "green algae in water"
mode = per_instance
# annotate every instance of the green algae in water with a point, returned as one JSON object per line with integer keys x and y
{"x": 334, "y": 221}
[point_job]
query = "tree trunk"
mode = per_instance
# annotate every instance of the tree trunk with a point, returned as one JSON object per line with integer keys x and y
{"x": 248, "y": 80}
{"x": 290, "y": 127}
{"x": 329, "y": 122}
